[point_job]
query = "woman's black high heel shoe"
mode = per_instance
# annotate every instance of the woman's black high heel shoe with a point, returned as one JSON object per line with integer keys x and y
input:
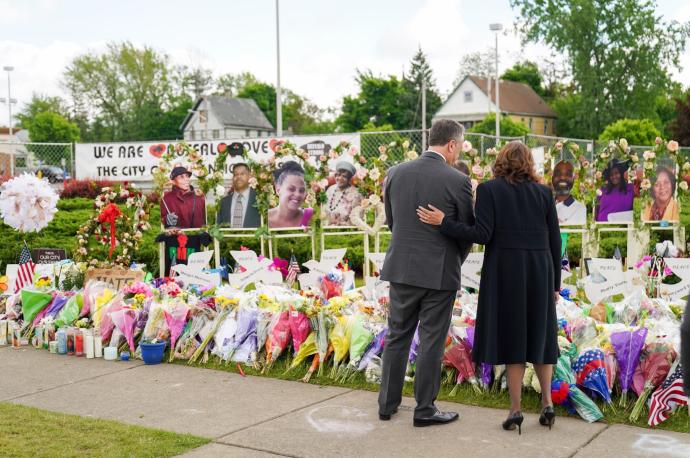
{"x": 513, "y": 420}
{"x": 547, "y": 417}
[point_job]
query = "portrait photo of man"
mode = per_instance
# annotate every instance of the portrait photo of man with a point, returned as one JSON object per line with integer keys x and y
{"x": 570, "y": 211}
{"x": 238, "y": 207}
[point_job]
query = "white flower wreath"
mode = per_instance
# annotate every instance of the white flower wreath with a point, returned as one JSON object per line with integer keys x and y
{"x": 358, "y": 216}
{"x": 28, "y": 203}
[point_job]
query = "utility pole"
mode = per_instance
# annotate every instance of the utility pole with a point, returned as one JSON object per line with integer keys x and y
{"x": 423, "y": 114}
{"x": 279, "y": 103}
{"x": 497, "y": 28}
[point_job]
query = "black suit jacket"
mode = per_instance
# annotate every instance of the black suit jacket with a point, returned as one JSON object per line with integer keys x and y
{"x": 685, "y": 347}
{"x": 251, "y": 217}
{"x": 418, "y": 254}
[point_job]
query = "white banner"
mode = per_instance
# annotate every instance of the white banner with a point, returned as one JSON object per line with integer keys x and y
{"x": 136, "y": 161}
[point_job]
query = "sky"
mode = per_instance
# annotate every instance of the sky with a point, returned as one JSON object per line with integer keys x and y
{"x": 322, "y": 42}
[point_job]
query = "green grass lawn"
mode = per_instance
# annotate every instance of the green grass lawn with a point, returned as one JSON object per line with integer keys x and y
{"x": 31, "y": 432}
{"x": 680, "y": 421}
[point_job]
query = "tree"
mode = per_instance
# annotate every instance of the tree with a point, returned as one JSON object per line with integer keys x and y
{"x": 412, "y": 100}
{"x": 120, "y": 92}
{"x": 50, "y": 127}
{"x": 380, "y": 101}
{"x": 40, "y": 104}
{"x": 680, "y": 126}
{"x": 526, "y": 72}
{"x": 621, "y": 52}
{"x": 479, "y": 63}
{"x": 509, "y": 127}
{"x": 638, "y": 132}
{"x": 571, "y": 116}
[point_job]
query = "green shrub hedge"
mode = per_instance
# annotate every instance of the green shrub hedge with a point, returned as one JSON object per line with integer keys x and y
{"x": 73, "y": 212}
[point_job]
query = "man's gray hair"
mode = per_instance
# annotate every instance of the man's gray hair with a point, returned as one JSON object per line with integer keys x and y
{"x": 445, "y": 130}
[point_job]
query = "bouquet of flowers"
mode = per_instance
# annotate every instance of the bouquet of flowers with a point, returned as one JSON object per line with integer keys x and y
{"x": 458, "y": 356}
{"x": 278, "y": 338}
{"x": 627, "y": 346}
{"x": 590, "y": 371}
{"x": 175, "y": 314}
{"x": 565, "y": 392}
{"x": 362, "y": 335}
{"x": 655, "y": 364}
{"x": 340, "y": 337}
{"x": 332, "y": 285}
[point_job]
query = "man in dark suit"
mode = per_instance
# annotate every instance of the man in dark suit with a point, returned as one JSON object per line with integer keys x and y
{"x": 423, "y": 268}
{"x": 238, "y": 208}
{"x": 685, "y": 347}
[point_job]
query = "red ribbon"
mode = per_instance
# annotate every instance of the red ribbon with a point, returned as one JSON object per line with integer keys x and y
{"x": 109, "y": 214}
{"x": 182, "y": 250}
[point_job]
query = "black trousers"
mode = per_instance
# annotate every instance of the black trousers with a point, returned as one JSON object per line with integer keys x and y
{"x": 432, "y": 309}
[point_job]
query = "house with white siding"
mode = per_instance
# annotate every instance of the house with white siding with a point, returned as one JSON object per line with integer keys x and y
{"x": 216, "y": 117}
{"x": 475, "y": 97}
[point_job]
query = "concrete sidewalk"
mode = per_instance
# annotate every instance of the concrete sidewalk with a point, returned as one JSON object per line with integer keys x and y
{"x": 254, "y": 416}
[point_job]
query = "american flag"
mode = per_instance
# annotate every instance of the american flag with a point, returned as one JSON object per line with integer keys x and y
{"x": 591, "y": 372}
{"x": 669, "y": 395}
{"x": 25, "y": 274}
{"x": 292, "y": 271}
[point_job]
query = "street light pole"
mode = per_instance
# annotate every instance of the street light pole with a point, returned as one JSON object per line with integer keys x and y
{"x": 497, "y": 28}
{"x": 279, "y": 103}
{"x": 8, "y": 69}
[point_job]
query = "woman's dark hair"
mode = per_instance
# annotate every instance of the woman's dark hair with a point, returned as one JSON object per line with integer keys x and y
{"x": 287, "y": 168}
{"x": 671, "y": 177}
{"x": 515, "y": 164}
{"x": 462, "y": 166}
{"x": 622, "y": 185}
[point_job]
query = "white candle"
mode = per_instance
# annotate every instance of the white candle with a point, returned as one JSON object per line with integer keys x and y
{"x": 97, "y": 346}
{"x": 3, "y": 332}
{"x": 88, "y": 343}
{"x": 110, "y": 353}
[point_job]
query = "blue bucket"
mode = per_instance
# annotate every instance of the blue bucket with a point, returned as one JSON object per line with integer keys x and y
{"x": 152, "y": 353}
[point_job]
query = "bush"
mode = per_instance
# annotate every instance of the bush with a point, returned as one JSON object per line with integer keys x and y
{"x": 84, "y": 188}
{"x": 639, "y": 132}
{"x": 509, "y": 127}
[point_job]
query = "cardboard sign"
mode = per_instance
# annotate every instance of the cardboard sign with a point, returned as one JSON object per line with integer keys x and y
{"x": 117, "y": 278}
{"x": 256, "y": 271}
{"x": 329, "y": 261}
{"x": 606, "y": 279}
{"x": 471, "y": 272}
{"x": 377, "y": 259}
{"x": 680, "y": 267}
{"x": 11, "y": 272}
{"x": 376, "y": 288}
{"x": 192, "y": 273}
{"x": 48, "y": 255}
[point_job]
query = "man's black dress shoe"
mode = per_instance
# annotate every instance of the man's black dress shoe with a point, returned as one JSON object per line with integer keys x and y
{"x": 387, "y": 416}
{"x": 438, "y": 418}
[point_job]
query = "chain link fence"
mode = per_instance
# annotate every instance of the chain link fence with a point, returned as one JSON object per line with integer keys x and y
{"x": 55, "y": 161}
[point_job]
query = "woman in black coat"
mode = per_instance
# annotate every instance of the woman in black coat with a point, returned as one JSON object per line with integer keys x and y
{"x": 685, "y": 347}
{"x": 516, "y": 318}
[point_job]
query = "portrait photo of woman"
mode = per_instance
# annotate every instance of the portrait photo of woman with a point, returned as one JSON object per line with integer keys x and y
{"x": 663, "y": 206}
{"x": 341, "y": 197}
{"x": 615, "y": 200}
{"x": 291, "y": 189}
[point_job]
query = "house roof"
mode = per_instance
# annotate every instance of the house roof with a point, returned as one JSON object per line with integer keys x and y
{"x": 6, "y": 130}
{"x": 232, "y": 111}
{"x": 516, "y": 98}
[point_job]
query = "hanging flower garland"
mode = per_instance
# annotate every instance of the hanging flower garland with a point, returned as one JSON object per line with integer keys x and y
{"x": 183, "y": 154}
{"x": 116, "y": 230}
{"x": 370, "y": 183}
{"x": 481, "y": 165}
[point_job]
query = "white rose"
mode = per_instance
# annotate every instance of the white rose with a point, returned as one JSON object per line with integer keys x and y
{"x": 649, "y": 165}
{"x": 406, "y": 144}
{"x": 374, "y": 199}
{"x": 220, "y": 190}
{"x": 623, "y": 143}
{"x": 375, "y": 174}
{"x": 635, "y": 158}
{"x": 672, "y": 146}
{"x": 599, "y": 193}
{"x": 411, "y": 155}
{"x": 683, "y": 185}
{"x": 646, "y": 184}
{"x": 466, "y": 146}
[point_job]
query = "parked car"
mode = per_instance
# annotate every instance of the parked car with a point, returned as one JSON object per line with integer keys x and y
{"x": 52, "y": 173}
